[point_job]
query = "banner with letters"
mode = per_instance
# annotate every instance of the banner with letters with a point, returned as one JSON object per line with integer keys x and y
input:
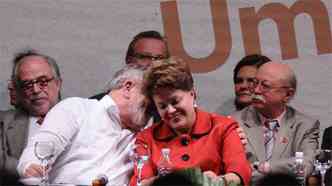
{"x": 89, "y": 40}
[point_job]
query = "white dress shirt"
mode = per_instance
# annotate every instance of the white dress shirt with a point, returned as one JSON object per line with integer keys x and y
{"x": 34, "y": 127}
{"x": 89, "y": 141}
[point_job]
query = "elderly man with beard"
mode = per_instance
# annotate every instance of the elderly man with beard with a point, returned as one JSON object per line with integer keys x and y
{"x": 275, "y": 131}
{"x": 92, "y": 137}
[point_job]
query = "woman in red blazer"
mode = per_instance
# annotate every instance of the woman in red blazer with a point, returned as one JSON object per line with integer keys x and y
{"x": 194, "y": 137}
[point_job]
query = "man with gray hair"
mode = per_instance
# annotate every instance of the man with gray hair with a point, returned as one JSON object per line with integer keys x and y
{"x": 274, "y": 130}
{"x": 37, "y": 83}
{"x": 92, "y": 137}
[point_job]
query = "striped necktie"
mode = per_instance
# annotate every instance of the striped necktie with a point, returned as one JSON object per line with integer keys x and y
{"x": 269, "y": 137}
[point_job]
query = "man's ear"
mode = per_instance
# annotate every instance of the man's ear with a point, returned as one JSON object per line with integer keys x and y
{"x": 128, "y": 84}
{"x": 193, "y": 93}
{"x": 127, "y": 87}
{"x": 290, "y": 92}
{"x": 58, "y": 84}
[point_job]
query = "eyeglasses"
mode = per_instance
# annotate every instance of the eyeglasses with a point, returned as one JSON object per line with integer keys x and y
{"x": 141, "y": 56}
{"x": 42, "y": 82}
{"x": 265, "y": 86}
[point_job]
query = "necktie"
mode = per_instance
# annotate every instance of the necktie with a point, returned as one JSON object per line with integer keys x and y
{"x": 269, "y": 137}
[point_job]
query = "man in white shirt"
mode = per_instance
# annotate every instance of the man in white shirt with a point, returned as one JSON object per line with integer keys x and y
{"x": 92, "y": 137}
{"x": 37, "y": 83}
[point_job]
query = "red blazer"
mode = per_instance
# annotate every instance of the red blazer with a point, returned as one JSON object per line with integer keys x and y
{"x": 213, "y": 144}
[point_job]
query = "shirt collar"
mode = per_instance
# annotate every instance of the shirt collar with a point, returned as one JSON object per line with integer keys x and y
{"x": 112, "y": 110}
{"x": 201, "y": 127}
{"x": 107, "y": 102}
{"x": 263, "y": 119}
{"x": 33, "y": 120}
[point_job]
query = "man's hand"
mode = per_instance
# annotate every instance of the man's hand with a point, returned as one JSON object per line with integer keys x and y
{"x": 264, "y": 167}
{"x": 33, "y": 170}
{"x": 242, "y": 135}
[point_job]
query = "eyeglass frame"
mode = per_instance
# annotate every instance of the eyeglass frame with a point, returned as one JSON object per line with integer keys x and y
{"x": 27, "y": 85}
{"x": 141, "y": 56}
{"x": 265, "y": 87}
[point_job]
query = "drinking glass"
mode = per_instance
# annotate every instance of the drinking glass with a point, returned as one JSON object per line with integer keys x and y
{"x": 323, "y": 161}
{"x": 44, "y": 151}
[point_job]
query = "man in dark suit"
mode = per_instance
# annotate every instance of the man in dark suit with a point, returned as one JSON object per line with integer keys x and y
{"x": 327, "y": 139}
{"x": 145, "y": 47}
{"x": 327, "y": 144}
{"x": 37, "y": 83}
{"x": 275, "y": 131}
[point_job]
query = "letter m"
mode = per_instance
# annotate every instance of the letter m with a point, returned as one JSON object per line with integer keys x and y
{"x": 284, "y": 19}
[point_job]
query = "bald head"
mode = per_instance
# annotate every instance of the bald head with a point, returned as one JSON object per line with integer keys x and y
{"x": 275, "y": 87}
{"x": 281, "y": 72}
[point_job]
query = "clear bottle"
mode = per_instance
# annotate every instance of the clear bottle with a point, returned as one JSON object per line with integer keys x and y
{"x": 299, "y": 167}
{"x": 141, "y": 160}
{"x": 165, "y": 165}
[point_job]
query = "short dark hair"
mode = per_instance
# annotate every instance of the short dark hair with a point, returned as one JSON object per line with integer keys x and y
{"x": 255, "y": 60}
{"x": 171, "y": 73}
{"x": 150, "y": 34}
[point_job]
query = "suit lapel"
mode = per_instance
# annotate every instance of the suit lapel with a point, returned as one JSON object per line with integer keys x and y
{"x": 17, "y": 132}
{"x": 255, "y": 133}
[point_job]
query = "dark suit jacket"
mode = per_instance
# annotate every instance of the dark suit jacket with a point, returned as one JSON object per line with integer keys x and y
{"x": 297, "y": 132}
{"x": 14, "y": 131}
{"x": 327, "y": 139}
{"x": 327, "y": 144}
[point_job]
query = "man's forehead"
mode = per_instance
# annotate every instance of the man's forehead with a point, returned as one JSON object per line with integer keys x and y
{"x": 150, "y": 46}
{"x": 34, "y": 66}
{"x": 269, "y": 76}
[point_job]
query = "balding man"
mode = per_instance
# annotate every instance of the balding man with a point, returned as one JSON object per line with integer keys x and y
{"x": 36, "y": 84}
{"x": 275, "y": 131}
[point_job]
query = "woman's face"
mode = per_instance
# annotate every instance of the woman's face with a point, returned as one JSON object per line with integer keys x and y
{"x": 176, "y": 108}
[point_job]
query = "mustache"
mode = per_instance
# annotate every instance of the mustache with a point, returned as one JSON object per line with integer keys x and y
{"x": 258, "y": 97}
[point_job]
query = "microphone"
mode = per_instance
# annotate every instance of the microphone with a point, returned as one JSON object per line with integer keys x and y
{"x": 101, "y": 180}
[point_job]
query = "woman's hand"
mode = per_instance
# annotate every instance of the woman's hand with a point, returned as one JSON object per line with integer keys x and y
{"x": 229, "y": 177}
{"x": 232, "y": 177}
{"x": 211, "y": 174}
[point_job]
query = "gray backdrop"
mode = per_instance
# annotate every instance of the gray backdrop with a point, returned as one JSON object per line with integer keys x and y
{"x": 89, "y": 40}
